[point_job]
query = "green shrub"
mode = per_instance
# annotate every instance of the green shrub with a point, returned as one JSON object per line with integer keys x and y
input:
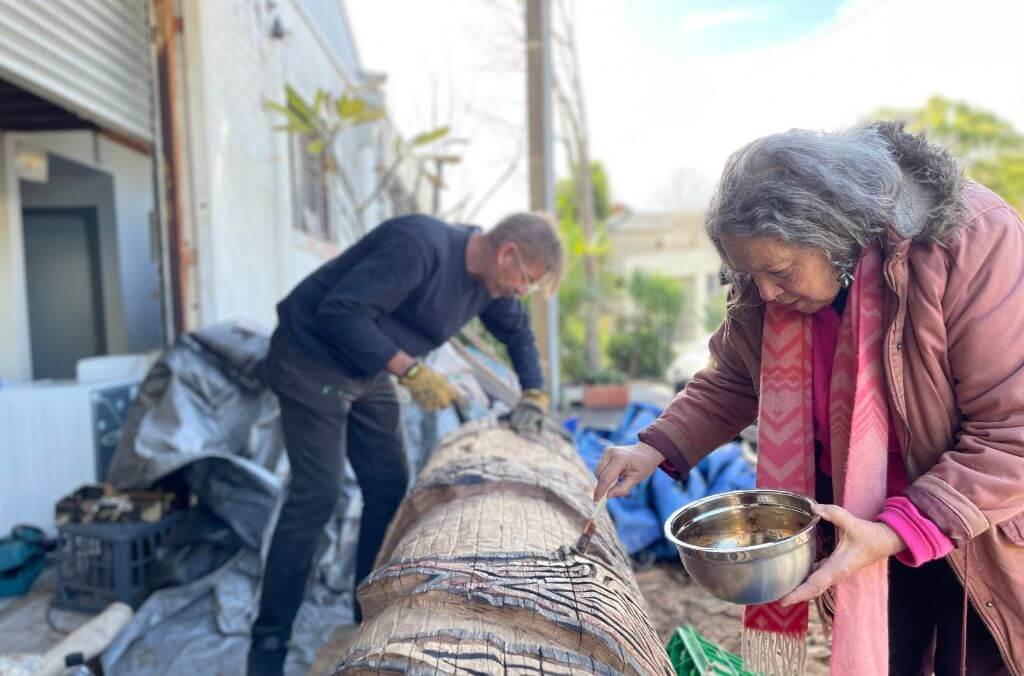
{"x": 642, "y": 345}
{"x": 603, "y": 377}
{"x": 714, "y": 310}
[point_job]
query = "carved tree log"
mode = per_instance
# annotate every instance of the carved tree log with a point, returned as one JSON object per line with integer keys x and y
{"x": 476, "y": 575}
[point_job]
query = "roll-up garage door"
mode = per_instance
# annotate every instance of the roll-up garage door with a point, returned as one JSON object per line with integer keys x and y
{"x": 90, "y": 57}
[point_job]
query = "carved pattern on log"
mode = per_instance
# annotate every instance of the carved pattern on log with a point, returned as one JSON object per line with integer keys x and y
{"x": 475, "y": 575}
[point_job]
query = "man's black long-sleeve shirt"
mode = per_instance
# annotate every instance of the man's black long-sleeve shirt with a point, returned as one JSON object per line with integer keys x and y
{"x": 404, "y": 286}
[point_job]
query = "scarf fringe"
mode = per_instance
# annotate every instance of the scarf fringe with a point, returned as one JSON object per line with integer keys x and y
{"x": 773, "y": 653}
{"x": 826, "y": 606}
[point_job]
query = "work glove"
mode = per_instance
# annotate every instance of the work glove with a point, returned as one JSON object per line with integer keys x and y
{"x": 430, "y": 389}
{"x": 531, "y": 413}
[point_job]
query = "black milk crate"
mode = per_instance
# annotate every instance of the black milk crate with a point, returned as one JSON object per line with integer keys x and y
{"x": 99, "y": 563}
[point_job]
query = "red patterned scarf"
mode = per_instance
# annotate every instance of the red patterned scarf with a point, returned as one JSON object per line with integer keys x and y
{"x": 773, "y": 635}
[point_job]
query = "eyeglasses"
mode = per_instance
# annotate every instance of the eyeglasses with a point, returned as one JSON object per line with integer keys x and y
{"x": 530, "y": 285}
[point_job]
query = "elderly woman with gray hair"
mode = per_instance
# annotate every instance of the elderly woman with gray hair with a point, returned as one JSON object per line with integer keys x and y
{"x": 875, "y": 332}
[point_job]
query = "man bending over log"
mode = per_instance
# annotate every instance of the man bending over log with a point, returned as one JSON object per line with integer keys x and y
{"x": 343, "y": 332}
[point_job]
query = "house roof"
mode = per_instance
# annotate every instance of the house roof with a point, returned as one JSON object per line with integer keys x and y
{"x": 688, "y": 223}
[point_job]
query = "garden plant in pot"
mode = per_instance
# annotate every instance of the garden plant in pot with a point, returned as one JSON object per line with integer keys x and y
{"x": 605, "y": 388}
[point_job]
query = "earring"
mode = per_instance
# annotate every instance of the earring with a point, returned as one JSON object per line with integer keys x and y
{"x": 845, "y": 279}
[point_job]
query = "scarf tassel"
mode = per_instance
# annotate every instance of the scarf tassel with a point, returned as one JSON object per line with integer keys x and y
{"x": 773, "y": 653}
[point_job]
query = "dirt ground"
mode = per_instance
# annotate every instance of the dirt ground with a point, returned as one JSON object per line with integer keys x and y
{"x": 673, "y": 600}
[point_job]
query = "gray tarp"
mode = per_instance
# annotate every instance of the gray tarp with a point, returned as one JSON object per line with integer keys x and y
{"x": 205, "y": 415}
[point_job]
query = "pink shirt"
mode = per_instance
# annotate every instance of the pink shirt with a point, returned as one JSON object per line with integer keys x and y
{"x": 925, "y": 542}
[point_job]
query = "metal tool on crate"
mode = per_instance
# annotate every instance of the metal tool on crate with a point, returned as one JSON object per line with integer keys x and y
{"x": 588, "y": 530}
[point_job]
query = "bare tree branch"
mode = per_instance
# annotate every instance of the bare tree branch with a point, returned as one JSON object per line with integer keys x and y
{"x": 382, "y": 183}
{"x": 503, "y": 178}
{"x": 350, "y": 191}
{"x": 455, "y": 211}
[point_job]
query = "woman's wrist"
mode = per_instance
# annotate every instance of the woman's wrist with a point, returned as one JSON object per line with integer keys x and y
{"x": 657, "y": 441}
{"x": 923, "y": 540}
{"x": 894, "y": 544}
{"x": 672, "y": 459}
{"x": 651, "y": 449}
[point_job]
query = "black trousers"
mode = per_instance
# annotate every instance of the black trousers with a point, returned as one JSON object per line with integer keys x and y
{"x": 926, "y": 621}
{"x": 326, "y": 414}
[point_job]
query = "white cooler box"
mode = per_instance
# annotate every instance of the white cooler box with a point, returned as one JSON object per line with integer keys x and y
{"x": 54, "y": 437}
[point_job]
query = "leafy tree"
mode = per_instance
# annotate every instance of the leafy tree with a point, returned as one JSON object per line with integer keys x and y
{"x": 991, "y": 149}
{"x": 322, "y": 119}
{"x": 577, "y": 297}
{"x": 566, "y": 197}
{"x": 643, "y": 340}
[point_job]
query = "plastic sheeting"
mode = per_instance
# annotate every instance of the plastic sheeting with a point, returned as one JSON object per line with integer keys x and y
{"x": 640, "y": 515}
{"x": 205, "y": 416}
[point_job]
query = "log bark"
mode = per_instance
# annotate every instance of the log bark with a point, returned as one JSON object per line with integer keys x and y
{"x": 476, "y": 574}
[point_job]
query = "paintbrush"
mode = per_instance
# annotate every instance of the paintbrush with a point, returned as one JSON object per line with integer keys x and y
{"x": 588, "y": 530}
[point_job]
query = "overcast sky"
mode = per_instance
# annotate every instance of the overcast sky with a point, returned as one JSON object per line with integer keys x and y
{"x": 674, "y": 86}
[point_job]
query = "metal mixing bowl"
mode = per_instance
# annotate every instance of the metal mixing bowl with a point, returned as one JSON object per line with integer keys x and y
{"x": 746, "y": 547}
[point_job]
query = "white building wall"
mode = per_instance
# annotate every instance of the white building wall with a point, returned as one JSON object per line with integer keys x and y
{"x": 139, "y": 264}
{"x": 15, "y": 349}
{"x": 249, "y": 252}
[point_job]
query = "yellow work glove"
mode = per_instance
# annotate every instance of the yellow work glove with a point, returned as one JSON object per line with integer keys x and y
{"x": 429, "y": 389}
{"x": 531, "y": 413}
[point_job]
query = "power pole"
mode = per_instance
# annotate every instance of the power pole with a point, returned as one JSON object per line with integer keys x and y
{"x": 543, "y": 311}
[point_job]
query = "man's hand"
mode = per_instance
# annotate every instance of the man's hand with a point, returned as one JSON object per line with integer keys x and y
{"x": 530, "y": 413}
{"x": 625, "y": 467}
{"x": 861, "y": 543}
{"x": 429, "y": 389}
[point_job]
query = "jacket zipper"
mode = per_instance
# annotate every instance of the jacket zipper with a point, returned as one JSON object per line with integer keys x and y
{"x": 888, "y": 370}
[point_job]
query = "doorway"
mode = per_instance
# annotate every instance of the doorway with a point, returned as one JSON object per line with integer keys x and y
{"x": 65, "y": 293}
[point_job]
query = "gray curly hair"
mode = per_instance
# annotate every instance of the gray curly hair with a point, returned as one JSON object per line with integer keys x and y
{"x": 832, "y": 191}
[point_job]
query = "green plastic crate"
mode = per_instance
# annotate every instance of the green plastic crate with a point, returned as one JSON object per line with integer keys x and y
{"x": 693, "y": 655}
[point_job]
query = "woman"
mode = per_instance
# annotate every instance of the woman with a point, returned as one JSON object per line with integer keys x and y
{"x": 874, "y": 331}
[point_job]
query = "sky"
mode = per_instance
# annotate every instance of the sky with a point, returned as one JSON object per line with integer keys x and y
{"x": 674, "y": 86}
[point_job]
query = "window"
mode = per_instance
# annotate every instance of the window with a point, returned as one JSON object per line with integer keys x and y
{"x": 310, "y": 193}
{"x": 329, "y": 18}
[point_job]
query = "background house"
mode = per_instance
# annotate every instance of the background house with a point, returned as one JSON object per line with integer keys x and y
{"x": 671, "y": 244}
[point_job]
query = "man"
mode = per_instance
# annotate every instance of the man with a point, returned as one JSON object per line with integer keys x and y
{"x": 343, "y": 332}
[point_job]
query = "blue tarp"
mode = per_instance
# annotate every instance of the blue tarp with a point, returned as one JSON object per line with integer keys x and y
{"x": 639, "y": 516}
